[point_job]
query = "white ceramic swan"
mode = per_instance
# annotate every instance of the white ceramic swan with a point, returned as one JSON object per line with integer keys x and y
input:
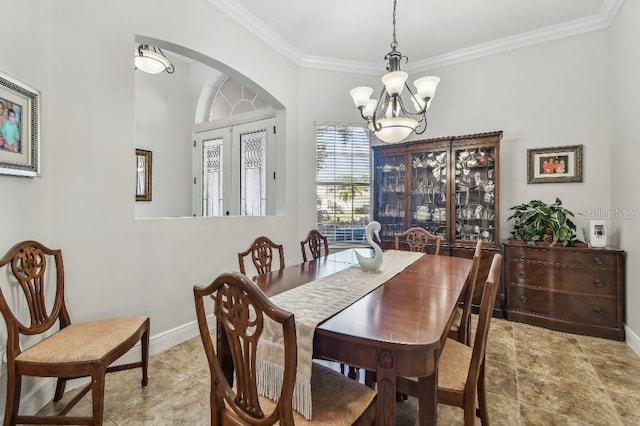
{"x": 371, "y": 263}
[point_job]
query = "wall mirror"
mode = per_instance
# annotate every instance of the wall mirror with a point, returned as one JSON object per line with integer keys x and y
{"x": 194, "y": 120}
{"x": 143, "y": 175}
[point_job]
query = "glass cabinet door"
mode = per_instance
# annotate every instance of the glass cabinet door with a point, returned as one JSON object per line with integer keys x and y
{"x": 429, "y": 191}
{"x": 474, "y": 201}
{"x": 389, "y": 187}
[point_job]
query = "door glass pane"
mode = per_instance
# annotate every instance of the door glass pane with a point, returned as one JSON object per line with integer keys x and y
{"x": 253, "y": 173}
{"x": 429, "y": 191}
{"x": 389, "y": 186}
{"x": 212, "y": 177}
{"x": 474, "y": 194}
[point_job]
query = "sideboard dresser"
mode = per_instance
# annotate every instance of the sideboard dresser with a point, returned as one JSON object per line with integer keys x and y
{"x": 573, "y": 289}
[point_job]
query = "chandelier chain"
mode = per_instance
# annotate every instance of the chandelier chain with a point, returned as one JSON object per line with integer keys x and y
{"x": 394, "y": 43}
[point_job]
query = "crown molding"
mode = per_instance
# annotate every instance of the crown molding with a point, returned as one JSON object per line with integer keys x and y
{"x": 255, "y": 26}
{"x": 601, "y": 20}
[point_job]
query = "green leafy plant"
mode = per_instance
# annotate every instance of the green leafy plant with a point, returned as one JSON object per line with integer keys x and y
{"x": 537, "y": 221}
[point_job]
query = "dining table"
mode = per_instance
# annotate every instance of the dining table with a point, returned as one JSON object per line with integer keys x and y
{"x": 397, "y": 329}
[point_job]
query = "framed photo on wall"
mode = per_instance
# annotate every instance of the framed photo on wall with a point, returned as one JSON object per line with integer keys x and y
{"x": 554, "y": 164}
{"x": 19, "y": 128}
{"x": 143, "y": 175}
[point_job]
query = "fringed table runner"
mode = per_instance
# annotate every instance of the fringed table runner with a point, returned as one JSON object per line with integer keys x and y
{"x": 311, "y": 304}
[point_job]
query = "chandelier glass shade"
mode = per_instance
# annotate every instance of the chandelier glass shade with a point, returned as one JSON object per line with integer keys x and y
{"x": 389, "y": 117}
{"x": 150, "y": 59}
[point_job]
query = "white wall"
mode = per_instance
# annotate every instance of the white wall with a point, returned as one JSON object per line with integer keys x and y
{"x": 164, "y": 111}
{"x": 626, "y": 148}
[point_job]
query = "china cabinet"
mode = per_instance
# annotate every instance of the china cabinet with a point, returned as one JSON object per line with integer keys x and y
{"x": 573, "y": 289}
{"x": 449, "y": 186}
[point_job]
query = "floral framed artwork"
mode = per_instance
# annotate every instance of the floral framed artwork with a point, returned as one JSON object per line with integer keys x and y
{"x": 143, "y": 175}
{"x": 19, "y": 128}
{"x": 554, "y": 164}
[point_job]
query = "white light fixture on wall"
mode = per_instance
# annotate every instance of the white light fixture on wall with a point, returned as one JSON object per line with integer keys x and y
{"x": 150, "y": 59}
{"x": 388, "y": 117}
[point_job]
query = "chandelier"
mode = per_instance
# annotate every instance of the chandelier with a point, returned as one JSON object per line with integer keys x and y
{"x": 388, "y": 117}
{"x": 151, "y": 59}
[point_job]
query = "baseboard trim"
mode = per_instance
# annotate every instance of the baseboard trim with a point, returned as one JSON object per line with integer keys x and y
{"x": 43, "y": 393}
{"x": 633, "y": 340}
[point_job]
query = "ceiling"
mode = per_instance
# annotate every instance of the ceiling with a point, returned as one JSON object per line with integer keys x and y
{"x": 354, "y": 35}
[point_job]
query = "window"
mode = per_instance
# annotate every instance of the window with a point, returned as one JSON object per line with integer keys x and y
{"x": 234, "y": 169}
{"x": 342, "y": 181}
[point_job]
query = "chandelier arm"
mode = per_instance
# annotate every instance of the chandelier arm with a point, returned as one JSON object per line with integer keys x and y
{"x": 417, "y": 101}
{"x": 418, "y": 116}
{"x": 422, "y": 127}
{"x": 380, "y": 106}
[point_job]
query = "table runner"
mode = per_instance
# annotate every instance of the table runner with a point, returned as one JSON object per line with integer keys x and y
{"x": 311, "y": 304}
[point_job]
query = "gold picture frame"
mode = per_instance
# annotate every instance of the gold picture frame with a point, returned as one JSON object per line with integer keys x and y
{"x": 143, "y": 174}
{"x": 558, "y": 164}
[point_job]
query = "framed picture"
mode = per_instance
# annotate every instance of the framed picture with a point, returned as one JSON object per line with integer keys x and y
{"x": 19, "y": 128}
{"x": 143, "y": 175}
{"x": 555, "y": 164}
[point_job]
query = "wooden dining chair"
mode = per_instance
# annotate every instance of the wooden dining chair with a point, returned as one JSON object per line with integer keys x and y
{"x": 315, "y": 241}
{"x": 461, "y": 368}
{"x": 461, "y": 326}
{"x": 261, "y": 251}
{"x": 417, "y": 239}
{"x": 241, "y": 310}
{"x": 83, "y": 349}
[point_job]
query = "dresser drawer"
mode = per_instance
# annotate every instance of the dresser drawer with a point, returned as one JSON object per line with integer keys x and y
{"x": 580, "y": 280}
{"x": 578, "y": 308}
{"x": 579, "y": 258}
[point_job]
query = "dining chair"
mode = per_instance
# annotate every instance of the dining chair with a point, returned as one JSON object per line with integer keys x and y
{"x": 82, "y": 349}
{"x": 242, "y": 310}
{"x": 261, "y": 251}
{"x": 315, "y": 241}
{"x": 461, "y": 326}
{"x": 417, "y": 239}
{"x": 461, "y": 369}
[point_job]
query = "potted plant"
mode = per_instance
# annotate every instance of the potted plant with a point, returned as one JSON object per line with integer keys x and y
{"x": 537, "y": 221}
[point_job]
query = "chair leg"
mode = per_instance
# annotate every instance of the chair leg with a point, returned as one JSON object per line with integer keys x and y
{"x": 341, "y": 368}
{"x": 14, "y": 385}
{"x": 482, "y": 397}
{"x": 144, "y": 342}
{"x": 60, "y": 386}
{"x": 97, "y": 395}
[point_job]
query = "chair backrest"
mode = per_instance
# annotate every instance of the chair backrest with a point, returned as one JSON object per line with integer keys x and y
{"x": 471, "y": 287}
{"x": 261, "y": 251}
{"x": 240, "y": 308}
{"x": 314, "y": 241}
{"x": 28, "y": 262}
{"x": 417, "y": 239}
{"x": 484, "y": 318}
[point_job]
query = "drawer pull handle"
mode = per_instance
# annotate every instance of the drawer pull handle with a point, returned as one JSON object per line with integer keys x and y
{"x": 598, "y": 282}
{"x": 522, "y": 255}
{"x": 523, "y": 274}
{"x": 598, "y": 311}
{"x": 524, "y": 299}
{"x": 598, "y": 261}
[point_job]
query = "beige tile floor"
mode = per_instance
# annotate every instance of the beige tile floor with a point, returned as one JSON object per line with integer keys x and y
{"x": 534, "y": 377}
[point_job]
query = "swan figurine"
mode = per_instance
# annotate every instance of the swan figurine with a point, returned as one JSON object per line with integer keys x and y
{"x": 371, "y": 263}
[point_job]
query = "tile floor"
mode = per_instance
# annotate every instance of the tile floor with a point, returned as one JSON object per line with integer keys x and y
{"x": 534, "y": 377}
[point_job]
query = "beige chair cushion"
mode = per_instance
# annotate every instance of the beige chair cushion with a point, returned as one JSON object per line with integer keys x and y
{"x": 83, "y": 341}
{"x": 337, "y": 399}
{"x": 453, "y": 366}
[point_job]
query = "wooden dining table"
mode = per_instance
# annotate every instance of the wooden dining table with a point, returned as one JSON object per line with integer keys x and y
{"x": 398, "y": 329}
